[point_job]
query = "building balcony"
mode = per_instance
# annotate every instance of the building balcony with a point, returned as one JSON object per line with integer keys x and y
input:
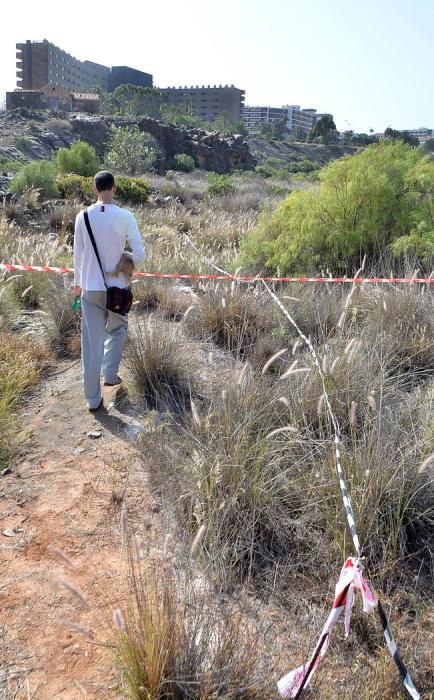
{"x": 19, "y": 73}
{"x": 19, "y": 64}
{"x": 19, "y": 83}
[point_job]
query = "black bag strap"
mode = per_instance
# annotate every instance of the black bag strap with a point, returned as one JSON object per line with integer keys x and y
{"x": 92, "y": 240}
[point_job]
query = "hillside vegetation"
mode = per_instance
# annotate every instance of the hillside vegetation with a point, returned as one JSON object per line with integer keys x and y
{"x": 234, "y": 437}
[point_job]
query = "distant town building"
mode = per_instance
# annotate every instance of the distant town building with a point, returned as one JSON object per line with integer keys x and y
{"x": 40, "y": 63}
{"x": 208, "y": 102}
{"x": 298, "y": 121}
{"x": 254, "y": 117}
{"x": 422, "y": 134}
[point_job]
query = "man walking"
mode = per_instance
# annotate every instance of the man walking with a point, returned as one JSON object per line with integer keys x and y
{"x": 103, "y": 332}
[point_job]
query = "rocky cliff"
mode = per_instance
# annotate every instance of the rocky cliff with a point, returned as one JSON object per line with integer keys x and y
{"x": 35, "y": 135}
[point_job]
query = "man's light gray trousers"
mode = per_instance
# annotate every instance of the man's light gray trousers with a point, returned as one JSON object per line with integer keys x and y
{"x": 103, "y": 335}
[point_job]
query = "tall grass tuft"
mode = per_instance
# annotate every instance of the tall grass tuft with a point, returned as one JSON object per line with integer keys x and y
{"x": 174, "y": 641}
{"x": 21, "y": 364}
{"x": 231, "y": 473}
{"x": 161, "y": 365}
{"x": 62, "y": 323}
{"x": 232, "y": 318}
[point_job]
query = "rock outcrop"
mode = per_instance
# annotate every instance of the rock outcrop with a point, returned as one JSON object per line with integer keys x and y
{"x": 210, "y": 150}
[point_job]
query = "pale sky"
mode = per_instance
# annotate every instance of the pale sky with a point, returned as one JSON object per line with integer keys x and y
{"x": 368, "y": 63}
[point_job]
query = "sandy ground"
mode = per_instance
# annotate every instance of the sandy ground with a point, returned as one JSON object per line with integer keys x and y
{"x": 66, "y": 491}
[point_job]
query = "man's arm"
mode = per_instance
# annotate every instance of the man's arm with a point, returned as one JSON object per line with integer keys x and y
{"x": 134, "y": 240}
{"x": 78, "y": 254}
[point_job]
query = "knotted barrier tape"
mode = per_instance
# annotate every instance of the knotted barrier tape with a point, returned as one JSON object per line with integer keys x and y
{"x": 351, "y": 578}
{"x": 227, "y": 277}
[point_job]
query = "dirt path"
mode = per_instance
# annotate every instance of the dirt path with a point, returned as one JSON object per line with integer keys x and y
{"x": 66, "y": 491}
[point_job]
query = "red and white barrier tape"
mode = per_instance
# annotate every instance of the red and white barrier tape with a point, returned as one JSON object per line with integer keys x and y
{"x": 10, "y": 267}
{"x": 351, "y": 578}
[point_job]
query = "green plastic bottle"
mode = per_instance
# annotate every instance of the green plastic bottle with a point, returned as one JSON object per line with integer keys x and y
{"x": 76, "y": 304}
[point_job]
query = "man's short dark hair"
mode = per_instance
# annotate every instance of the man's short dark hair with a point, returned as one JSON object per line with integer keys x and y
{"x": 104, "y": 181}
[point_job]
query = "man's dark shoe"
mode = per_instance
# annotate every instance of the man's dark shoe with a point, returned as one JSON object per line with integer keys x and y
{"x": 115, "y": 383}
{"x": 100, "y": 405}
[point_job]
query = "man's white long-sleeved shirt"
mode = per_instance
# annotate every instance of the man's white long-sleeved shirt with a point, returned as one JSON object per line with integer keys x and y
{"x": 112, "y": 228}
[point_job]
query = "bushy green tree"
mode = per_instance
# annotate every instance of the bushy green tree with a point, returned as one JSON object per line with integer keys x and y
{"x": 182, "y": 115}
{"x": 128, "y": 189}
{"x": 129, "y": 150}
{"x": 401, "y": 136}
{"x": 78, "y": 159}
{"x": 226, "y": 125}
{"x": 76, "y": 187}
{"x": 379, "y": 199}
{"x": 325, "y": 128}
{"x": 274, "y": 130}
{"x": 131, "y": 100}
{"x": 302, "y": 166}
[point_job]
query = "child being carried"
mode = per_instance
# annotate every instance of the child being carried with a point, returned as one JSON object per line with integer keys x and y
{"x": 126, "y": 266}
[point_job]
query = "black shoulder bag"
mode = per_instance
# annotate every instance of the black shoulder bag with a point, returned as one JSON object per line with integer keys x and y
{"x": 118, "y": 300}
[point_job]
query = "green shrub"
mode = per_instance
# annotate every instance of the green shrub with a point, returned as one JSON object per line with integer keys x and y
{"x": 60, "y": 127}
{"x": 38, "y": 175}
{"x": 275, "y": 162}
{"x": 184, "y": 163}
{"x": 280, "y": 190}
{"x": 282, "y": 175}
{"x": 302, "y": 166}
{"x": 306, "y": 177}
{"x": 265, "y": 170}
{"x": 128, "y": 189}
{"x": 219, "y": 184}
{"x": 10, "y": 166}
{"x": 22, "y": 142}
{"x": 75, "y": 187}
{"x": 79, "y": 159}
{"x": 131, "y": 189}
{"x": 366, "y": 204}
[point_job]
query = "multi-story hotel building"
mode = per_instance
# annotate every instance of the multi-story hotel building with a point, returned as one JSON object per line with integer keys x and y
{"x": 208, "y": 102}
{"x": 298, "y": 121}
{"x": 40, "y": 63}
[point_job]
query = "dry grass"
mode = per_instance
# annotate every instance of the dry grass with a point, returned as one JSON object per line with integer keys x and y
{"x": 174, "y": 641}
{"x": 62, "y": 323}
{"x": 233, "y": 318}
{"x": 258, "y": 476}
{"x": 171, "y": 302}
{"x": 229, "y": 473}
{"x": 21, "y": 364}
{"x": 161, "y": 366}
{"x": 13, "y": 212}
{"x": 62, "y": 220}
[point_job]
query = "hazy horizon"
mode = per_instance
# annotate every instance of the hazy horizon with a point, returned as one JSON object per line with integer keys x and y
{"x": 366, "y": 63}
